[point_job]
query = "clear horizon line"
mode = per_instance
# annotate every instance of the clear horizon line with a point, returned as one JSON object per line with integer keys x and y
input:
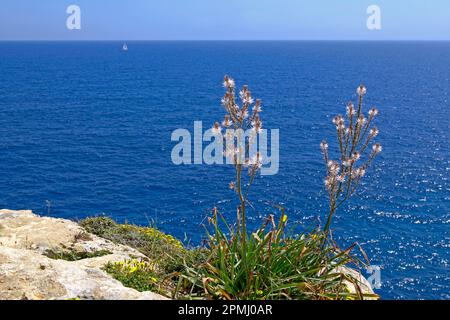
{"x": 225, "y": 40}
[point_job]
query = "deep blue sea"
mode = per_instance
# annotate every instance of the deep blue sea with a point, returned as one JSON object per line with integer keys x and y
{"x": 85, "y": 129}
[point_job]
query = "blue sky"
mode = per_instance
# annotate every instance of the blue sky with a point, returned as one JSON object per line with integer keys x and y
{"x": 225, "y": 20}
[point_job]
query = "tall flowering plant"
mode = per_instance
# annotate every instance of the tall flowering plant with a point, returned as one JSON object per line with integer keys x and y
{"x": 269, "y": 264}
{"x": 355, "y": 134}
{"x": 240, "y": 118}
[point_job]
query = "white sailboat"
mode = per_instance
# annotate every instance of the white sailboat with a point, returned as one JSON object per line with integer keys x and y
{"x": 125, "y": 47}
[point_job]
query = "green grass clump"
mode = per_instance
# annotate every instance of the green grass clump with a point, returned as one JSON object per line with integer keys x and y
{"x": 269, "y": 265}
{"x": 74, "y": 255}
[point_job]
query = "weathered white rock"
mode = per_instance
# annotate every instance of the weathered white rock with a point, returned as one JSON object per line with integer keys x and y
{"x": 360, "y": 280}
{"x": 25, "y": 273}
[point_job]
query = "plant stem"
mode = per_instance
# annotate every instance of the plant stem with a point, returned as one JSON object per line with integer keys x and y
{"x": 330, "y": 215}
{"x": 242, "y": 201}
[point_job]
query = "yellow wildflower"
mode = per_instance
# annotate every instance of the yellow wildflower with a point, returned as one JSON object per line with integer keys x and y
{"x": 134, "y": 269}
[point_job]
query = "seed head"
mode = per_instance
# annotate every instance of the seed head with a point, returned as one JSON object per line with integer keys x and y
{"x": 257, "y": 124}
{"x": 228, "y": 82}
{"x": 257, "y": 106}
{"x": 373, "y": 112}
{"x": 377, "y": 148}
{"x": 360, "y": 172}
{"x": 373, "y": 132}
{"x": 350, "y": 109}
{"x": 216, "y": 129}
{"x": 361, "y": 120}
{"x": 361, "y": 90}
{"x": 337, "y": 119}
{"x": 227, "y": 122}
{"x": 333, "y": 167}
{"x": 347, "y": 163}
{"x": 329, "y": 182}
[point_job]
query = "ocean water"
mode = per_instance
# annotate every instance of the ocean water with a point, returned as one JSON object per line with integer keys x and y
{"x": 85, "y": 129}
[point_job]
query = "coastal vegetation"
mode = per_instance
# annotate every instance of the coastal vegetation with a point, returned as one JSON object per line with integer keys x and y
{"x": 267, "y": 263}
{"x": 74, "y": 255}
{"x": 166, "y": 256}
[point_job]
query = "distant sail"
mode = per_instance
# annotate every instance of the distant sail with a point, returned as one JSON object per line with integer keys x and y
{"x": 125, "y": 47}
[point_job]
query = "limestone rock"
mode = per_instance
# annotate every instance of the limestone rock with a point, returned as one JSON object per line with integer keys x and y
{"x": 361, "y": 281}
{"x": 26, "y": 273}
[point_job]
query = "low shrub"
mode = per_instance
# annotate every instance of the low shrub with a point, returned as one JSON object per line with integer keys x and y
{"x": 138, "y": 274}
{"x": 167, "y": 253}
